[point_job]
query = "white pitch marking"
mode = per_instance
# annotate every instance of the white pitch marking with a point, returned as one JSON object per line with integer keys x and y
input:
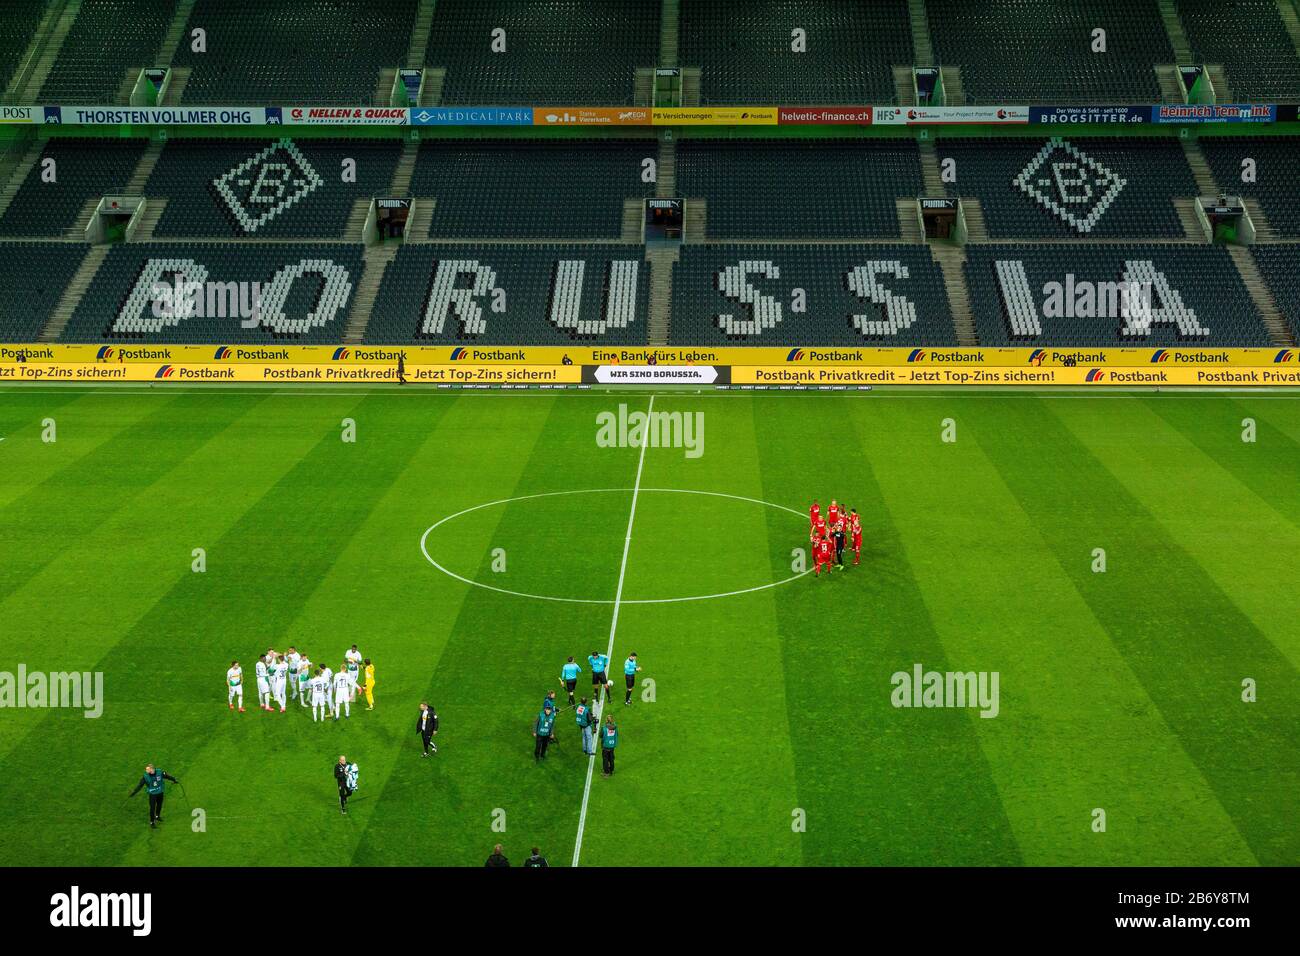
{"x": 597, "y": 706}
{"x": 595, "y": 491}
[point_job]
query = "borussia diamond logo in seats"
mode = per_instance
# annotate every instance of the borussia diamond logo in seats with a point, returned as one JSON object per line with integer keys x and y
{"x": 266, "y": 184}
{"x": 1070, "y": 184}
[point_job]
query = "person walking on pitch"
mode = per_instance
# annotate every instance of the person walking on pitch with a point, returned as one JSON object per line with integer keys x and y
{"x": 569, "y": 677}
{"x": 630, "y": 667}
{"x": 345, "y": 775}
{"x": 542, "y": 732}
{"x": 608, "y": 741}
{"x": 235, "y": 686}
{"x": 599, "y": 681}
{"x": 427, "y": 726}
{"x": 585, "y": 719}
{"x": 152, "y": 781}
{"x": 370, "y": 684}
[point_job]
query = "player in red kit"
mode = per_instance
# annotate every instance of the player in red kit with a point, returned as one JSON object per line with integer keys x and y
{"x": 855, "y": 532}
{"x": 823, "y": 553}
{"x": 833, "y": 513}
{"x": 815, "y": 514}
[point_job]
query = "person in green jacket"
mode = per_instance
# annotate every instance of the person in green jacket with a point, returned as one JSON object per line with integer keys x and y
{"x": 586, "y": 721}
{"x": 608, "y": 741}
{"x": 542, "y": 732}
{"x": 152, "y": 782}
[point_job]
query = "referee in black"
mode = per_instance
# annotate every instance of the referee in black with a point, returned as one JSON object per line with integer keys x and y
{"x": 152, "y": 782}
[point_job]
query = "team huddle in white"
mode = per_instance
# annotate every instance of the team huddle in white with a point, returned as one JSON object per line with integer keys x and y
{"x": 292, "y": 676}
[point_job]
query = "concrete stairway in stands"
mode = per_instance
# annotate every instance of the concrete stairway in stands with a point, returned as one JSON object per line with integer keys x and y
{"x": 40, "y": 70}
{"x": 1200, "y": 167}
{"x": 951, "y": 257}
{"x": 20, "y": 174}
{"x": 922, "y": 47}
{"x": 669, "y": 20}
{"x": 374, "y": 263}
{"x": 1260, "y": 295}
{"x": 72, "y": 295}
{"x": 1177, "y": 35}
{"x": 661, "y": 293}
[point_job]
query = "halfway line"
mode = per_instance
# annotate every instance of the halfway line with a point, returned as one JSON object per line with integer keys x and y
{"x": 598, "y": 707}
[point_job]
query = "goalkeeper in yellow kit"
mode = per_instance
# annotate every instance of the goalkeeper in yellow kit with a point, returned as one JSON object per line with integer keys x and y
{"x": 370, "y": 684}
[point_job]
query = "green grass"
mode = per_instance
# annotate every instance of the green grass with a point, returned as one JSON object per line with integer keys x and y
{"x": 1119, "y": 691}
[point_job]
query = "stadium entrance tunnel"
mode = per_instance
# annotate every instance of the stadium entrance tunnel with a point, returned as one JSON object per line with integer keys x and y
{"x": 567, "y": 546}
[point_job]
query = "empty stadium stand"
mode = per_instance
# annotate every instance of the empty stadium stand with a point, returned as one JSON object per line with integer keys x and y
{"x": 741, "y": 294}
{"x": 85, "y": 171}
{"x": 1249, "y": 39}
{"x": 305, "y": 293}
{"x": 1020, "y": 51}
{"x": 558, "y": 52}
{"x": 307, "y": 51}
{"x": 530, "y": 189}
{"x": 521, "y": 294}
{"x": 258, "y": 189}
{"x": 1206, "y": 302}
{"x": 33, "y": 276}
{"x": 1276, "y": 185}
{"x": 1280, "y": 267}
{"x": 109, "y": 41}
{"x": 784, "y": 189}
{"x": 17, "y": 27}
{"x": 744, "y": 50}
{"x": 1055, "y": 188}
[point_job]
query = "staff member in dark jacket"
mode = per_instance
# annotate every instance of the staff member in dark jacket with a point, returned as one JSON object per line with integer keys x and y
{"x": 497, "y": 859}
{"x": 345, "y": 776}
{"x": 152, "y": 781}
{"x": 427, "y": 725}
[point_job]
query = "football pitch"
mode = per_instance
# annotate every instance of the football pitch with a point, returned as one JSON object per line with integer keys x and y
{"x": 1123, "y": 565}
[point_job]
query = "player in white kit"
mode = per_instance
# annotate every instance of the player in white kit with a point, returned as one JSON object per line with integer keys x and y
{"x": 293, "y": 657}
{"x": 352, "y": 664}
{"x": 342, "y": 693}
{"x": 329, "y": 687}
{"x": 235, "y": 685}
{"x": 279, "y": 677}
{"x": 303, "y": 680}
{"x": 263, "y": 684}
{"x": 319, "y": 694}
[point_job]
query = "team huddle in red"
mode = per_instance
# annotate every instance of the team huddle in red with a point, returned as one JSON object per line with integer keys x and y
{"x": 828, "y": 536}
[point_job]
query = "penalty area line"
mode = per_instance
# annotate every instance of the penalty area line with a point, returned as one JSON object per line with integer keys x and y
{"x": 598, "y": 707}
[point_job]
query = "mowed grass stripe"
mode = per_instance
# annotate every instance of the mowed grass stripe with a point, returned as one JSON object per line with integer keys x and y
{"x": 1269, "y": 466}
{"x": 1213, "y": 503}
{"x": 504, "y": 653}
{"x": 103, "y": 479}
{"x": 1188, "y": 644}
{"x": 704, "y": 772}
{"x": 421, "y": 606}
{"x": 84, "y": 425}
{"x": 273, "y": 558}
{"x": 881, "y": 785}
{"x": 67, "y": 615}
{"x": 368, "y": 597}
{"x": 1075, "y": 729}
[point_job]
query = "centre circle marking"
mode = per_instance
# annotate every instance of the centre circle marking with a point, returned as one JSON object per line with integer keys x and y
{"x": 424, "y": 538}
